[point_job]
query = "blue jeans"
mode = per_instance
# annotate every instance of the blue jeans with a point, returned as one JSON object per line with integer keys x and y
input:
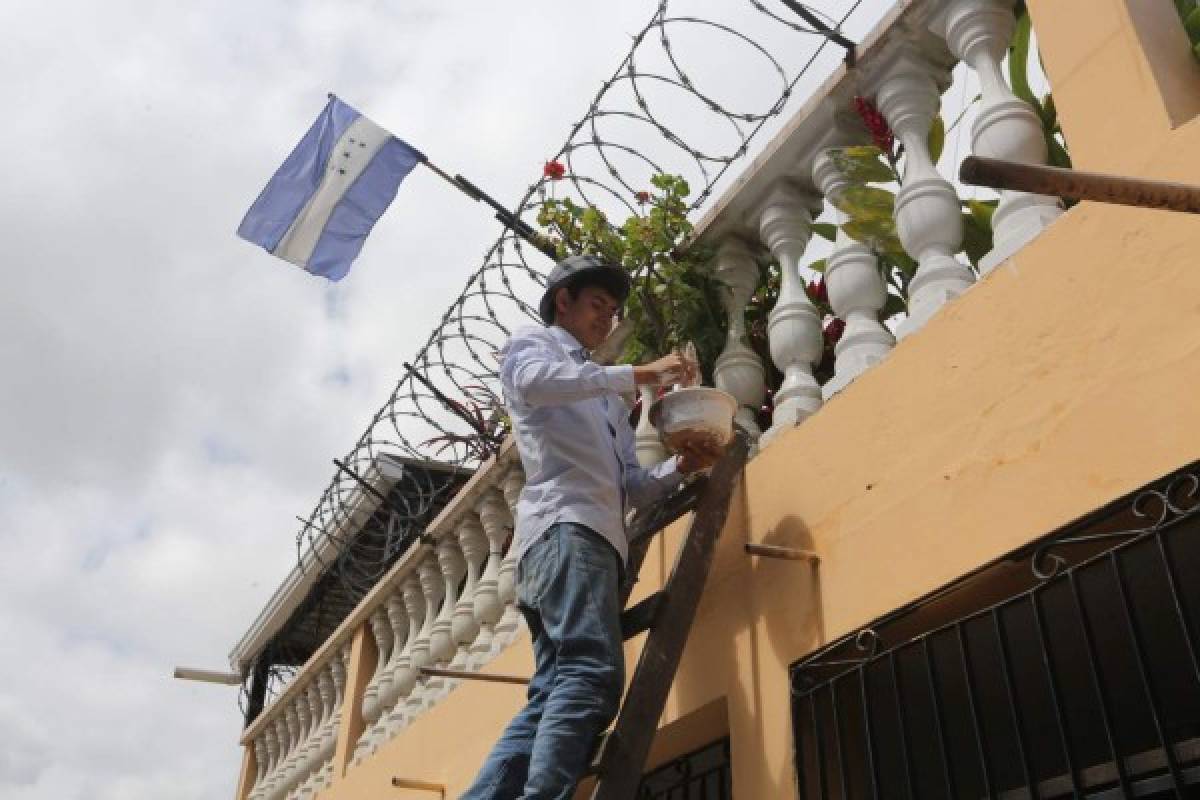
{"x": 567, "y": 589}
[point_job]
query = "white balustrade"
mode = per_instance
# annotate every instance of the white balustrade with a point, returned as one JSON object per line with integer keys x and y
{"x": 390, "y": 689}
{"x": 510, "y": 621}
{"x": 647, "y": 443}
{"x": 406, "y": 674}
{"x": 493, "y": 516}
{"x": 928, "y": 212}
{"x": 381, "y": 630}
{"x": 794, "y": 326}
{"x": 739, "y": 370}
{"x": 1006, "y": 127}
{"x": 464, "y": 627}
{"x": 856, "y": 291}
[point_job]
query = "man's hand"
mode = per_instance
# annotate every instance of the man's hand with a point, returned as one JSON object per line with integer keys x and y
{"x": 694, "y": 457}
{"x": 669, "y": 369}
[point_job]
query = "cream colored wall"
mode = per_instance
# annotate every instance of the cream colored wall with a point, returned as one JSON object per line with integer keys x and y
{"x": 1067, "y": 377}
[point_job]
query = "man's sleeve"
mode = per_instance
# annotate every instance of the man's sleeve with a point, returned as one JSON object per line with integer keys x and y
{"x": 534, "y": 374}
{"x": 647, "y": 485}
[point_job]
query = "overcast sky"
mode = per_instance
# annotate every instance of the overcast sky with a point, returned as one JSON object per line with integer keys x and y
{"x": 172, "y": 396}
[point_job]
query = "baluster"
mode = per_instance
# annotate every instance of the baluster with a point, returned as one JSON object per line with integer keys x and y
{"x": 464, "y": 627}
{"x": 381, "y": 629}
{"x": 1006, "y": 127}
{"x": 510, "y": 621}
{"x": 856, "y": 292}
{"x": 739, "y": 370}
{"x": 327, "y": 732}
{"x": 398, "y": 620}
{"x": 493, "y": 515}
{"x": 454, "y": 567}
{"x": 337, "y": 667}
{"x": 312, "y": 741}
{"x": 406, "y": 674}
{"x": 647, "y": 443}
{"x": 292, "y": 726}
{"x": 794, "y": 327}
{"x": 433, "y": 589}
{"x": 260, "y": 766}
{"x": 928, "y": 212}
{"x": 281, "y": 739}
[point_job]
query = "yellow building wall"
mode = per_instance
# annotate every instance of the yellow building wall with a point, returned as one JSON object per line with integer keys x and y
{"x": 1068, "y": 377}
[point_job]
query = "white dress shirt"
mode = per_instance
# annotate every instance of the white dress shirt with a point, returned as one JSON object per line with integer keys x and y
{"x": 573, "y": 434}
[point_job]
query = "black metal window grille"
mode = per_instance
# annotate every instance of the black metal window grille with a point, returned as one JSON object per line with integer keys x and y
{"x": 700, "y": 775}
{"x": 1068, "y": 669}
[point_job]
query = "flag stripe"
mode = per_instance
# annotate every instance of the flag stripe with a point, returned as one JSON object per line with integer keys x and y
{"x": 362, "y": 204}
{"x": 288, "y": 191}
{"x": 301, "y": 238}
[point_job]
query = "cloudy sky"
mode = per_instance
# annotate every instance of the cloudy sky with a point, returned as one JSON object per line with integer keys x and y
{"x": 172, "y": 396}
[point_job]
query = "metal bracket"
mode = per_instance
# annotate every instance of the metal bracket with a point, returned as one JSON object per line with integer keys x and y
{"x": 785, "y": 553}
{"x": 424, "y": 786}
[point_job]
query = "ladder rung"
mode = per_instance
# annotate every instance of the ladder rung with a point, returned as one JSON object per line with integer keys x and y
{"x": 639, "y": 618}
{"x": 663, "y": 514}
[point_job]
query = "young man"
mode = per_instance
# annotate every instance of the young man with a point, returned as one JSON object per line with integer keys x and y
{"x": 581, "y": 473}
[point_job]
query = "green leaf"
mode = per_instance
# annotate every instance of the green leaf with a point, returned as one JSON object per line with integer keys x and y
{"x": 982, "y": 211}
{"x": 826, "y": 230}
{"x": 817, "y": 266}
{"x": 1185, "y": 7}
{"x": 861, "y": 163}
{"x": 1059, "y": 157}
{"x": 893, "y": 305}
{"x": 1018, "y": 61}
{"x": 937, "y": 138}
{"x": 867, "y": 203}
{"x": 977, "y": 237}
{"x": 878, "y": 233}
{"x": 1192, "y": 25}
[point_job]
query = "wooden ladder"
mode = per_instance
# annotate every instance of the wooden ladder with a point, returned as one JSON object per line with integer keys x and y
{"x": 667, "y": 615}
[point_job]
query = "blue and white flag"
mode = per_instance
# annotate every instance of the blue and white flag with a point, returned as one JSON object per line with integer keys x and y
{"x": 319, "y": 207}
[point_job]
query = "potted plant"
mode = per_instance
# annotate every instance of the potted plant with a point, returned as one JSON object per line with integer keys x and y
{"x": 674, "y": 302}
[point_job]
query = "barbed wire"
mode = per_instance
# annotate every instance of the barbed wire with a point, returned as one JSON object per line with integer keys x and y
{"x": 652, "y": 115}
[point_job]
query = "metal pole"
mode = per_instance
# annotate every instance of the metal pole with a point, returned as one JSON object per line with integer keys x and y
{"x": 506, "y": 217}
{"x": 786, "y": 553}
{"x": 437, "y": 672}
{"x": 1096, "y": 186}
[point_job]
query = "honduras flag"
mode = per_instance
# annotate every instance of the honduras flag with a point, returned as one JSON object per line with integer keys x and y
{"x": 319, "y": 207}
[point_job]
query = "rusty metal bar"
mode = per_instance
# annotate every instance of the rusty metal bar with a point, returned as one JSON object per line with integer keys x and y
{"x": 1072, "y": 183}
{"x": 437, "y": 672}
{"x": 786, "y": 553}
{"x": 425, "y": 786}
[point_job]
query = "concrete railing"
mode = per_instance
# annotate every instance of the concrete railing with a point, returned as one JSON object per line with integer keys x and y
{"x": 449, "y": 602}
{"x": 902, "y": 70}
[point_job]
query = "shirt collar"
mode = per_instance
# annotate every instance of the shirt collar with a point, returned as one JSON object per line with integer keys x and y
{"x": 568, "y": 341}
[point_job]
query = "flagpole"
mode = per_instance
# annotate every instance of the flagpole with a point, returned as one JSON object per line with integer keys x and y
{"x": 506, "y": 217}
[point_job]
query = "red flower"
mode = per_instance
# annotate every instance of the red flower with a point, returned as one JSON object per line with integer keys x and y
{"x": 834, "y": 330}
{"x": 817, "y": 291}
{"x": 881, "y": 133}
{"x": 642, "y": 198}
{"x": 554, "y": 170}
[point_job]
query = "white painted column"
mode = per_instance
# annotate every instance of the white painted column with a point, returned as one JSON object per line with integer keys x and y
{"x": 739, "y": 370}
{"x": 381, "y": 629}
{"x": 794, "y": 326}
{"x": 463, "y": 626}
{"x": 493, "y": 515}
{"x": 510, "y": 621}
{"x": 856, "y": 290}
{"x": 928, "y": 212}
{"x": 1006, "y": 127}
{"x": 647, "y": 444}
{"x": 405, "y": 676}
